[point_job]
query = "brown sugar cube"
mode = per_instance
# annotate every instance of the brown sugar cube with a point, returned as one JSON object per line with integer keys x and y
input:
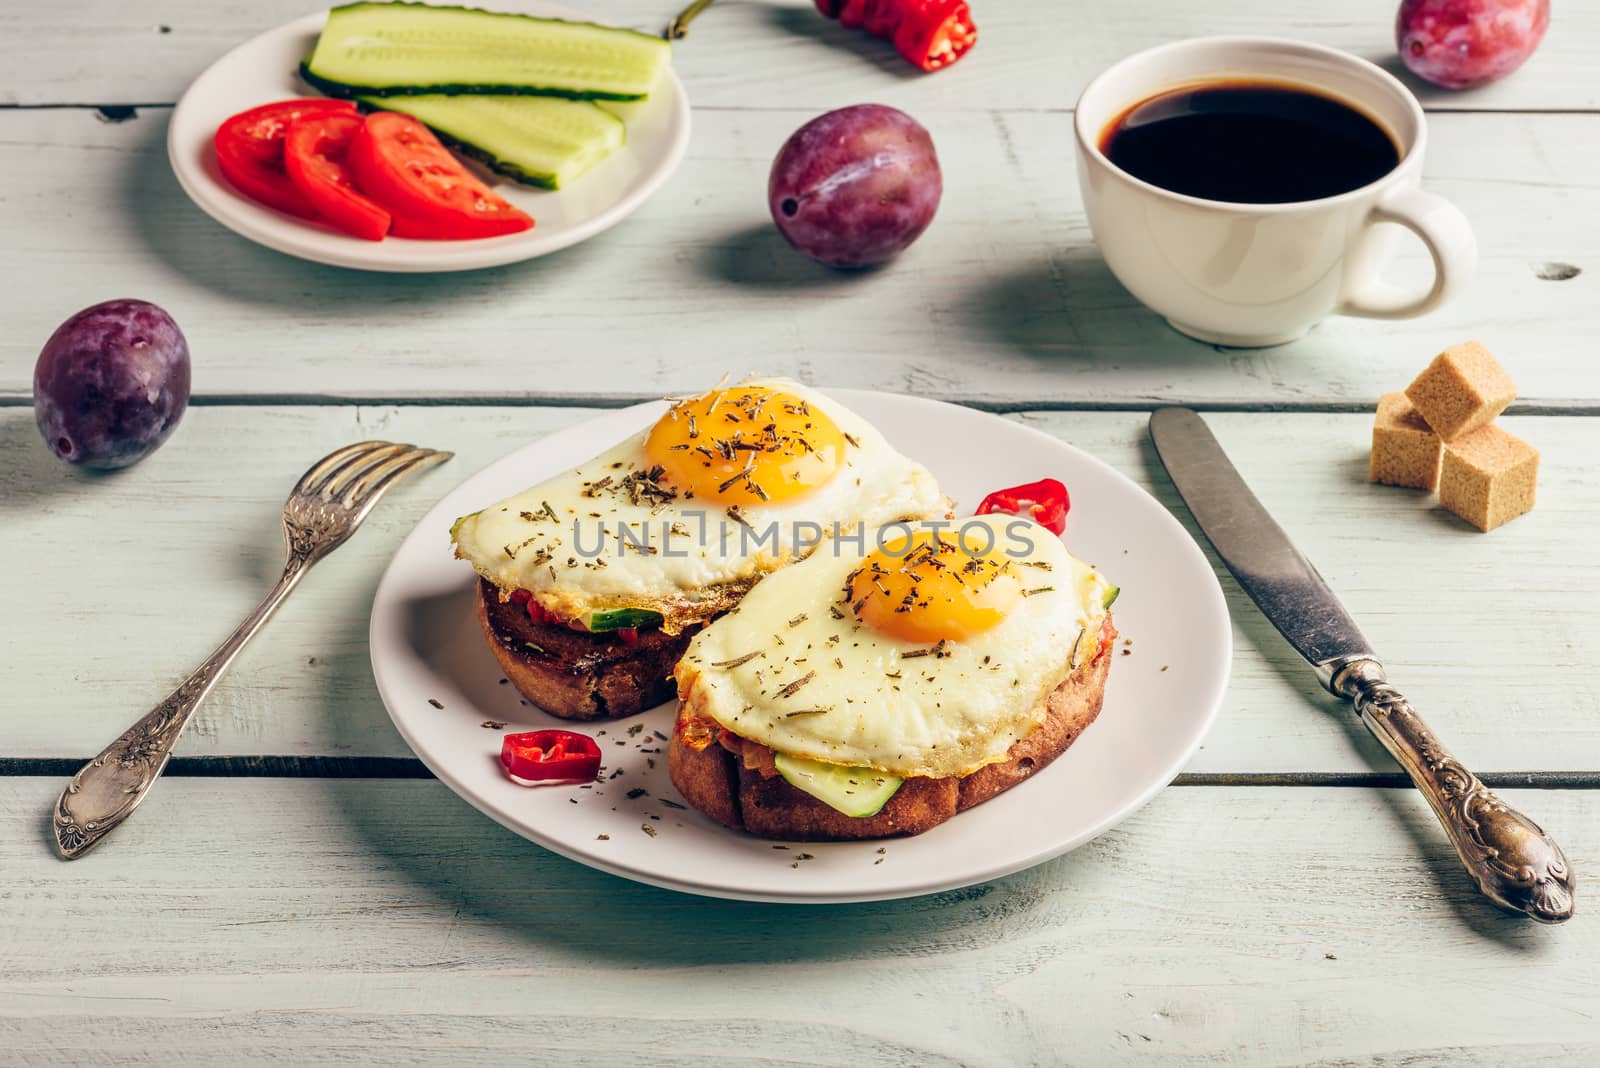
{"x": 1488, "y": 477}
{"x": 1404, "y": 451}
{"x": 1463, "y": 389}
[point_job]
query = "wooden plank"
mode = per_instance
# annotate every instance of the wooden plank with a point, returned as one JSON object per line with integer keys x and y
{"x": 1488, "y": 633}
{"x": 355, "y": 921}
{"x": 1004, "y": 301}
{"x": 1032, "y": 53}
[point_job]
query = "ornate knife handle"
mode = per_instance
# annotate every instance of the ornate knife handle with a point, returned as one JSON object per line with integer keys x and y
{"x": 108, "y": 788}
{"x": 1513, "y": 861}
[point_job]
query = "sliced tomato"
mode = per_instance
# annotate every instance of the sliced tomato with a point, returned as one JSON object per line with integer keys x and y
{"x": 398, "y": 162}
{"x": 250, "y": 151}
{"x": 314, "y": 153}
{"x": 453, "y": 230}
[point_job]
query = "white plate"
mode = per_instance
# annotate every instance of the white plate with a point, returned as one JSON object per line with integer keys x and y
{"x": 265, "y": 69}
{"x": 426, "y": 645}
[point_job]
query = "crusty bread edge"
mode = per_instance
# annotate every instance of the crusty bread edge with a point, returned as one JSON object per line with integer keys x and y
{"x": 569, "y": 695}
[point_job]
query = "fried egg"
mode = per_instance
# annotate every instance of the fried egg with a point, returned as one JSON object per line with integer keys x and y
{"x": 920, "y": 650}
{"x": 684, "y": 517}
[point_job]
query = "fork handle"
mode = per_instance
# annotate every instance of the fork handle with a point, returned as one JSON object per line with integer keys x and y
{"x": 1514, "y": 862}
{"x": 106, "y": 790}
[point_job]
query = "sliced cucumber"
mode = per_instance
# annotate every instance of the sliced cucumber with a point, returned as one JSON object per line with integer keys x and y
{"x": 629, "y": 111}
{"x": 1111, "y": 597}
{"x": 540, "y": 140}
{"x": 401, "y": 48}
{"x": 857, "y": 792}
{"x": 608, "y": 619}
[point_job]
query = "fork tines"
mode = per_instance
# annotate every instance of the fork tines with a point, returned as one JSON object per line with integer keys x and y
{"x": 357, "y": 474}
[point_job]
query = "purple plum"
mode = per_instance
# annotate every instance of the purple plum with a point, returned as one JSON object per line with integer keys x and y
{"x": 1459, "y": 44}
{"x": 111, "y": 384}
{"x": 855, "y": 187}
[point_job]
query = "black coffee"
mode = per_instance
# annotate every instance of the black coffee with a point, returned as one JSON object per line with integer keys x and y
{"x": 1249, "y": 143}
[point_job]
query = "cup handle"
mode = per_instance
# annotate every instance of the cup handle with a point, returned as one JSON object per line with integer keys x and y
{"x": 1448, "y": 235}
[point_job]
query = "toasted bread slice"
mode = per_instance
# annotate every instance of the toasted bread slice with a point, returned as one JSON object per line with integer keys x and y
{"x": 737, "y": 789}
{"x": 574, "y": 674}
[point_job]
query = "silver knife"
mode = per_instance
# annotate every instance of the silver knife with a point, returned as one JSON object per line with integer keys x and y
{"x": 1510, "y": 857}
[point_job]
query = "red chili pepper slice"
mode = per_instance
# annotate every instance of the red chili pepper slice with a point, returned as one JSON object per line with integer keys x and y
{"x": 549, "y": 757}
{"x": 930, "y": 34}
{"x": 1045, "y": 502}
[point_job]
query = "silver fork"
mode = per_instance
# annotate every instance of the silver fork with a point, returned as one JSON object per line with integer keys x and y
{"x": 324, "y": 509}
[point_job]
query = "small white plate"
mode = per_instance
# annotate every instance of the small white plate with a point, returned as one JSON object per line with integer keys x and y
{"x": 265, "y": 69}
{"x": 427, "y": 646}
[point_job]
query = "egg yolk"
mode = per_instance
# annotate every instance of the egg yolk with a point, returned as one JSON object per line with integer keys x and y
{"x": 746, "y": 446}
{"x": 931, "y": 587}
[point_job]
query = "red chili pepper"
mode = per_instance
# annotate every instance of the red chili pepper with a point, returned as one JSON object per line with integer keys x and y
{"x": 1045, "y": 502}
{"x": 549, "y": 757}
{"x": 629, "y": 635}
{"x": 929, "y": 33}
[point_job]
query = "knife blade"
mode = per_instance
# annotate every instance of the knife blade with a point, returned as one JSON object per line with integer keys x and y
{"x": 1279, "y": 579}
{"x": 1513, "y": 861}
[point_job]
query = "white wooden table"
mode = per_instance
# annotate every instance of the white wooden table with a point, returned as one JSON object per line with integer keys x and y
{"x": 300, "y": 891}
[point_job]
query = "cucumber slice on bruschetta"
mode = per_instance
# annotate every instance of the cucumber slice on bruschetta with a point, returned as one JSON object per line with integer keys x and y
{"x": 858, "y": 792}
{"x": 609, "y": 619}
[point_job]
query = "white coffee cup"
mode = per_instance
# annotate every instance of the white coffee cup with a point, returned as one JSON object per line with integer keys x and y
{"x": 1262, "y": 274}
